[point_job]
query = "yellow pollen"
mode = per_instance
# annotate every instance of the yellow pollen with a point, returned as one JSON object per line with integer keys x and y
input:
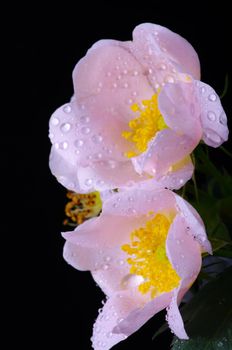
{"x": 145, "y": 126}
{"x": 82, "y": 207}
{"x": 149, "y": 259}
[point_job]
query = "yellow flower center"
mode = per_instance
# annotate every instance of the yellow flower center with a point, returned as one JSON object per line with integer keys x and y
{"x": 82, "y": 207}
{"x": 145, "y": 126}
{"x": 148, "y": 257}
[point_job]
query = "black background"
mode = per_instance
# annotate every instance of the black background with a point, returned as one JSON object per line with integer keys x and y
{"x": 53, "y": 304}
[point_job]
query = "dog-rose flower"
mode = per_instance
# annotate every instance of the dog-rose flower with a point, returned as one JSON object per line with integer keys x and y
{"x": 138, "y": 111}
{"x": 144, "y": 251}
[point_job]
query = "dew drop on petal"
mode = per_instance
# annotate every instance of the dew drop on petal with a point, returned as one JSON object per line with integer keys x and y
{"x": 88, "y": 182}
{"x": 105, "y": 267}
{"x": 85, "y": 130}
{"x": 223, "y": 119}
{"x": 131, "y": 211}
{"x": 67, "y": 109}
{"x": 135, "y": 73}
{"x": 109, "y": 334}
{"x": 120, "y": 320}
{"x": 100, "y": 182}
{"x": 56, "y": 145}
{"x": 202, "y": 90}
{"x": 211, "y": 116}
{"x": 97, "y": 138}
{"x": 55, "y": 121}
{"x": 212, "y": 97}
{"x": 84, "y": 119}
{"x": 79, "y": 143}
{"x": 63, "y": 145}
{"x": 65, "y": 127}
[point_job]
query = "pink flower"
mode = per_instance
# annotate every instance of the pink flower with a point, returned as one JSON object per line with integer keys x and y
{"x": 144, "y": 251}
{"x": 138, "y": 111}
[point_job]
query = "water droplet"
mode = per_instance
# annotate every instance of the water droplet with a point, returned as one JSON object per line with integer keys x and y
{"x": 156, "y": 33}
{"x": 100, "y": 182}
{"x": 107, "y": 258}
{"x": 114, "y": 85}
{"x": 211, "y": 116}
{"x": 125, "y": 85}
{"x": 88, "y": 182}
{"x": 135, "y": 73}
{"x": 65, "y": 127}
{"x": 97, "y": 138}
{"x": 105, "y": 267}
{"x": 223, "y": 119}
{"x": 109, "y": 334}
{"x": 157, "y": 85}
{"x": 115, "y": 205}
{"x": 78, "y": 143}
{"x": 55, "y": 121}
{"x": 212, "y": 97}
{"x": 63, "y": 145}
{"x": 130, "y": 199}
{"x": 181, "y": 181}
{"x": 130, "y": 101}
{"x": 211, "y": 135}
{"x": 131, "y": 211}
{"x": 134, "y": 93}
{"x": 202, "y": 89}
{"x": 51, "y": 135}
{"x": 120, "y": 320}
{"x": 150, "y": 71}
{"x": 56, "y": 145}
{"x": 182, "y": 256}
{"x": 97, "y": 329}
{"x": 169, "y": 79}
{"x": 119, "y": 77}
{"x": 125, "y": 71}
{"x": 163, "y": 66}
{"x": 112, "y": 164}
{"x": 121, "y": 262}
{"x": 220, "y": 344}
{"x": 84, "y": 119}
{"x": 109, "y": 74}
{"x": 107, "y": 317}
{"x": 67, "y": 109}
{"x": 85, "y": 130}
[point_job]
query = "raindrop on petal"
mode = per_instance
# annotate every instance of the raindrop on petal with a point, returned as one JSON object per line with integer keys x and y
{"x": 211, "y": 116}
{"x": 212, "y": 97}
{"x": 55, "y": 121}
{"x": 65, "y": 127}
{"x": 85, "y": 130}
{"x": 88, "y": 182}
{"x": 67, "y": 109}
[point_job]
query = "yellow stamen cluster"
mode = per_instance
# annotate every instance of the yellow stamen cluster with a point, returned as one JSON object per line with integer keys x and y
{"x": 82, "y": 207}
{"x": 145, "y": 126}
{"x": 148, "y": 257}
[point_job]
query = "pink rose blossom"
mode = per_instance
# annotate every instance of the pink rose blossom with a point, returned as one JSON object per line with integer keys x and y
{"x": 138, "y": 111}
{"x": 144, "y": 251}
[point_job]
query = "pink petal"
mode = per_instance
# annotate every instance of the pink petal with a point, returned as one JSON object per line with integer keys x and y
{"x": 94, "y": 244}
{"x": 179, "y": 107}
{"x": 106, "y": 174}
{"x": 114, "y": 311}
{"x": 107, "y": 81}
{"x": 195, "y": 223}
{"x": 174, "y": 318}
{"x": 163, "y": 53}
{"x": 63, "y": 170}
{"x": 139, "y": 316}
{"x": 185, "y": 255}
{"x": 213, "y": 117}
{"x": 166, "y": 149}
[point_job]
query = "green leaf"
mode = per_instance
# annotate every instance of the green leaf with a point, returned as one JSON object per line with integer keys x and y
{"x": 208, "y": 316}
